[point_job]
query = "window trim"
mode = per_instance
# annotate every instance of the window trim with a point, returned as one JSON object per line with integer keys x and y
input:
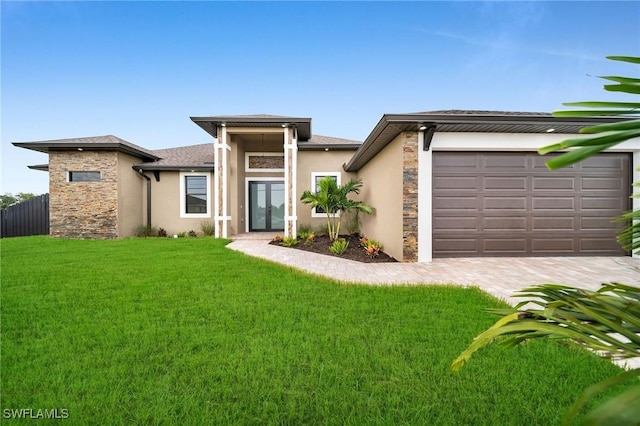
{"x": 71, "y": 172}
{"x": 261, "y": 154}
{"x": 314, "y": 175}
{"x": 183, "y": 196}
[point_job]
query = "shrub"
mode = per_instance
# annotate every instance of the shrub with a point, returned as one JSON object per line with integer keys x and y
{"x": 303, "y": 235}
{"x": 144, "y": 231}
{"x": 181, "y": 234}
{"x": 372, "y": 248}
{"x": 289, "y": 241}
{"x": 162, "y": 232}
{"x": 192, "y": 233}
{"x": 339, "y": 246}
{"x": 310, "y": 239}
{"x": 208, "y": 229}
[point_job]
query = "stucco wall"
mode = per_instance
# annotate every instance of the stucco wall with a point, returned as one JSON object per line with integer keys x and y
{"x": 382, "y": 178}
{"x": 165, "y": 204}
{"x": 319, "y": 161}
{"x": 130, "y": 198}
{"x": 83, "y": 209}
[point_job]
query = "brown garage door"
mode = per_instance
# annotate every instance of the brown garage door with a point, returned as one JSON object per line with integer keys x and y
{"x": 510, "y": 204}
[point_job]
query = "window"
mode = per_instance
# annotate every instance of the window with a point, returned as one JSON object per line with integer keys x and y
{"x": 316, "y": 177}
{"x": 194, "y": 195}
{"x": 83, "y": 177}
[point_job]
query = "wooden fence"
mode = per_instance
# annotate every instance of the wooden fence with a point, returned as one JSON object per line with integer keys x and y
{"x": 30, "y": 217}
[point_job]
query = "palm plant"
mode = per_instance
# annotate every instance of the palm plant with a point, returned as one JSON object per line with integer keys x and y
{"x": 606, "y": 321}
{"x": 334, "y": 201}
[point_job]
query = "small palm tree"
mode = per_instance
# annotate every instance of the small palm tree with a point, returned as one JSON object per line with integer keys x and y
{"x": 334, "y": 201}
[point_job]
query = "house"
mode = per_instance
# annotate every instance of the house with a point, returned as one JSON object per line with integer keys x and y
{"x": 443, "y": 183}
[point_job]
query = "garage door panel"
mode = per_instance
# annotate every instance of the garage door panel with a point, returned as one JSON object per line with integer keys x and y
{"x": 502, "y": 246}
{"x": 553, "y": 203}
{"x": 601, "y": 183}
{"x": 456, "y": 224}
{"x": 550, "y": 245}
{"x": 456, "y": 182}
{"x": 456, "y": 203}
{"x": 504, "y": 203}
{"x": 502, "y": 223}
{"x": 501, "y": 183}
{"x": 553, "y": 224}
{"x": 502, "y": 161}
{"x": 565, "y": 183}
{"x": 510, "y": 204}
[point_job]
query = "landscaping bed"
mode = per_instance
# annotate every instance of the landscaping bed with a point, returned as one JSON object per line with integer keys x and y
{"x": 355, "y": 250}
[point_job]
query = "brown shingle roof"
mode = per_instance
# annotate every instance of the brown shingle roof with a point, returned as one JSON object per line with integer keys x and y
{"x": 192, "y": 156}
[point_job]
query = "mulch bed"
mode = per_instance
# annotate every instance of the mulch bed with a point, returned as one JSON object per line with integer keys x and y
{"x": 355, "y": 252}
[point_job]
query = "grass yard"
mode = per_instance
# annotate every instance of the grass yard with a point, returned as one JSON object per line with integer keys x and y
{"x": 185, "y": 331}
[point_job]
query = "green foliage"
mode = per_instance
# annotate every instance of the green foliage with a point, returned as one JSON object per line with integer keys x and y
{"x": 208, "y": 229}
{"x": 339, "y": 246}
{"x": 304, "y": 228}
{"x": 371, "y": 247}
{"x": 289, "y": 242}
{"x": 145, "y": 231}
{"x": 303, "y": 235}
{"x": 7, "y": 199}
{"x": 335, "y": 201}
{"x": 182, "y": 234}
{"x": 606, "y": 321}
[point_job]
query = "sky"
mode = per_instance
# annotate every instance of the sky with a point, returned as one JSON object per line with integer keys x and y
{"x": 139, "y": 70}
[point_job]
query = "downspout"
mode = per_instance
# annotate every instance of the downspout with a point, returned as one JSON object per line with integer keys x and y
{"x": 148, "y": 196}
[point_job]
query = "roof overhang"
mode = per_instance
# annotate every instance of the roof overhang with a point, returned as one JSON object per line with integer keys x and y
{"x": 48, "y": 146}
{"x": 151, "y": 168}
{"x": 210, "y": 124}
{"x": 41, "y": 167}
{"x": 391, "y": 125}
{"x": 328, "y": 147}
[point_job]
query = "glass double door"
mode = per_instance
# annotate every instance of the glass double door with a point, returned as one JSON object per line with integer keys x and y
{"x": 266, "y": 206}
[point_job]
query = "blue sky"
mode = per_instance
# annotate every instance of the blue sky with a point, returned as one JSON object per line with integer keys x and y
{"x": 139, "y": 70}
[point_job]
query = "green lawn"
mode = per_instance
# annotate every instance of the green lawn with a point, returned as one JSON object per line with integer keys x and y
{"x": 185, "y": 331}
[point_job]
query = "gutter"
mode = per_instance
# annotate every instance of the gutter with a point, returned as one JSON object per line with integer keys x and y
{"x": 148, "y": 196}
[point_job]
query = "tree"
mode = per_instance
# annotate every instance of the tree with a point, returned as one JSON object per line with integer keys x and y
{"x": 334, "y": 201}
{"x": 608, "y": 320}
{"x": 7, "y": 199}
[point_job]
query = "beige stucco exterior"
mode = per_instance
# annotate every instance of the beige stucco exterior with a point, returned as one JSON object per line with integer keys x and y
{"x": 310, "y": 162}
{"x": 130, "y": 190}
{"x": 382, "y": 178}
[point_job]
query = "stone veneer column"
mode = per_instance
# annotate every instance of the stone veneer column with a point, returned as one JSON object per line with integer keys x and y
{"x": 410, "y": 197}
{"x": 290, "y": 174}
{"x": 83, "y": 209}
{"x": 221, "y": 216}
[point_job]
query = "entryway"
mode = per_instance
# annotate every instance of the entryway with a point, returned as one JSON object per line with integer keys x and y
{"x": 266, "y": 206}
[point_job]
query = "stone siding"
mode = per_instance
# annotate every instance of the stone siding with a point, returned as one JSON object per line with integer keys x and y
{"x": 266, "y": 161}
{"x": 83, "y": 209}
{"x": 410, "y": 197}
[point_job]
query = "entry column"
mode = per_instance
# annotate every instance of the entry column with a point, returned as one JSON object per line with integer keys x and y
{"x": 290, "y": 173}
{"x": 220, "y": 152}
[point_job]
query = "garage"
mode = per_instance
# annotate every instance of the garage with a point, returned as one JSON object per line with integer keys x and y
{"x": 510, "y": 204}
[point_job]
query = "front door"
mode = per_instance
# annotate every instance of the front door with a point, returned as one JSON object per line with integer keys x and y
{"x": 266, "y": 206}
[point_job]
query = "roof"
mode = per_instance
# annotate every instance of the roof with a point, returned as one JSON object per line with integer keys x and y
{"x": 320, "y": 143}
{"x": 391, "y": 125}
{"x": 94, "y": 143}
{"x": 185, "y": 157}
{"x": 210, "y": 124}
